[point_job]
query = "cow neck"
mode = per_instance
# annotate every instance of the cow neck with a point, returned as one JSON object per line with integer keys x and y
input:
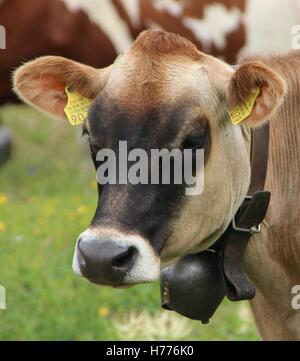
{"x": 232, "y": 245}
{"x": 222, "y": 263}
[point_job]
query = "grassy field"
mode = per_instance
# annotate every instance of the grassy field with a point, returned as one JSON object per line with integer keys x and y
{"x": 47, "y": 197}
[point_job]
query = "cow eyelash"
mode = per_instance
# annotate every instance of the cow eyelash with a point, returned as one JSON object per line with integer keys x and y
{"x": 196, "y": 139}
{"x": 84, "y": 131}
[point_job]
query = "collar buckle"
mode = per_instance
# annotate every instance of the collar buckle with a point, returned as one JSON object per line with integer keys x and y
{"x": 251, "y": 230}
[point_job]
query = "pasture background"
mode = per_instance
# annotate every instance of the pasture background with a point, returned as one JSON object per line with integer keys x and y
{"x": 47, "y": 198}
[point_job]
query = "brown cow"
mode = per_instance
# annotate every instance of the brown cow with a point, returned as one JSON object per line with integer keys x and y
{"x": 94, "y": 32}
{"x": 164, "y": 93}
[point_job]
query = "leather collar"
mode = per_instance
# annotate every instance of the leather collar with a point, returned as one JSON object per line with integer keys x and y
{"x": 247, "y": 221}
{"x": 259, "y": 157}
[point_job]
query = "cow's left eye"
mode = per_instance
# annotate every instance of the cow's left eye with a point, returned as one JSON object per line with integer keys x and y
{"x": 196, "y": 139}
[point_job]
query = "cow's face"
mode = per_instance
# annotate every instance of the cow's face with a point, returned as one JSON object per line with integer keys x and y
{"x": 161, "y": 93}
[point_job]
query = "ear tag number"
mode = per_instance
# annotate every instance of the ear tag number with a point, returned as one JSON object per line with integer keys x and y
{"x": 242, "y": 111}
{"x": 77, "y": 107}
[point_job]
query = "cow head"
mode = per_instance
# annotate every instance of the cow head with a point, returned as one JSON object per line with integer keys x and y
{"x": 161, "y": 93}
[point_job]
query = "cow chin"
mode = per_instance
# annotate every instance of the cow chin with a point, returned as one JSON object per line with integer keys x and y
{"x": 109, "y": 257}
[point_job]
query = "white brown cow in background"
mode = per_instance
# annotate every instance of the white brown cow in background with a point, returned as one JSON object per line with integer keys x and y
{"x": 95, "y": 31}
{"x": 164, "y": 93}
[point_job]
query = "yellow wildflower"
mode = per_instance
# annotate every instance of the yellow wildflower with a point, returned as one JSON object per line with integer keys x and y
{"x": 3, "y": 198}
{"x": 2, "y": 226}
{"x": 82, "y": 209}
{"x": 103, "y": 311}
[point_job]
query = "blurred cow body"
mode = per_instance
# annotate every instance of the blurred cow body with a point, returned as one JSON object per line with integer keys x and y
{"x": 95, "y": 31}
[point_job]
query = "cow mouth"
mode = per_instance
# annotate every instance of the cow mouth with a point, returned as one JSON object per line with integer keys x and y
{"x": 115, "y": 285}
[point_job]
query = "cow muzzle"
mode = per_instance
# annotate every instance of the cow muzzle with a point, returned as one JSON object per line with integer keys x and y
{"x": 115, "y": 259}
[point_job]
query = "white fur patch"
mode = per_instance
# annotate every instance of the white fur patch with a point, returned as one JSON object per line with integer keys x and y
{"x": 217, "y": 22}
{"x": 269, "y": 24}
{"x": 147, "y": 265}
{"x": 75, "y": 264}
{"x": 174, "y": 7}
{"x": 105, "y": 15}
{"x": 132, "y": 9}
{"x": 153, "y": 25}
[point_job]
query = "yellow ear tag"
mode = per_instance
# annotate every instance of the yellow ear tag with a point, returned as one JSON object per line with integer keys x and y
{"x": 241, "y": 112}
{"x": 77, "y": 107}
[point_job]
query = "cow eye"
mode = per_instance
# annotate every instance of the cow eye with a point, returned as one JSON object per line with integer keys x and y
{"x": 196, "y": 139}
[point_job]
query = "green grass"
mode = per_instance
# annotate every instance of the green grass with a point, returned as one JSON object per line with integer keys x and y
{"x": 48, "y": 198}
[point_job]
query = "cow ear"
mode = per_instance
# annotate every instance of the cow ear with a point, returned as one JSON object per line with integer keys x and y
{"x": 42, "y": 82}
{"x": 253, "y": 77}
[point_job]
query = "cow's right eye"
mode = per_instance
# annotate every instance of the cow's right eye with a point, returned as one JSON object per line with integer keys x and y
{"x": 196, "y": 139}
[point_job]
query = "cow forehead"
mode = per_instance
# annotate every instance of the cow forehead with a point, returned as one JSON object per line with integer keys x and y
{"x": 138, "y": 81}
{"x": 159, "y": 68}
{"x": 163, "y": 125}
{"x": 162, "y": 79}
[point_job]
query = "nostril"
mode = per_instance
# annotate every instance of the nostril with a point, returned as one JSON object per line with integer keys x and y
{"x": 126, "y": 258}
{"x": 105, "y": 262}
